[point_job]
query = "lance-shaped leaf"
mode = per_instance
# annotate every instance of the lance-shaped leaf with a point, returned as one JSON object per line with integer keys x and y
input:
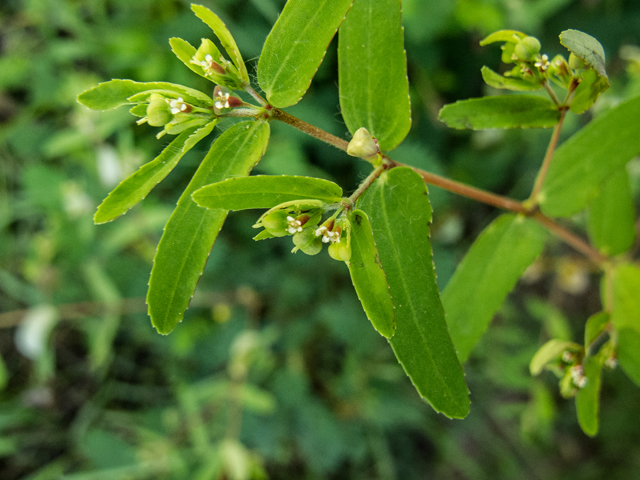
{"x": 612, "y": 215}
{"x": 496, "y": 80}
{"x": 185, "y": 53}
{"x": 192, "y": 230}
{"x": 296, "y": 46}
{"x": 626, "y": 297}
{"x": 629, "y": 353}
{"x": 265, "y": 191}
{"x": 137, "y": 186}
{"x": 114, "y": 93}
{"x": 487, "y": 273}
{"x": 368, "y": 277}
{"x": 503, "y": 36}
{"x": 585, "y": 47}
{"x": 372, "y": 67}
{"x": 588, "y": 397}
{"x": 504, "y": 111}
{"x": 550, "y": 352}
{"x": 399, "y": 211}
{"x": 225, "y": 37}
{"x": 589, "y": 157}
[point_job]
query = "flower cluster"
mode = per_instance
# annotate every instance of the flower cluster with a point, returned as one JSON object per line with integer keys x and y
{"x": 301, "y": 220}
{"x": 173, "y": 113}
{"x": 212, "y": 65}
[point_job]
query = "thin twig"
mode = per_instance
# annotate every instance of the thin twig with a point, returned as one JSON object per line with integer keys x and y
{"x": 542, "y": 174}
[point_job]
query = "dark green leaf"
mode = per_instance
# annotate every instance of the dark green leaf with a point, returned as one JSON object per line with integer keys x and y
{"x": 114, "y": 93}
{"x": 265, "y": 191}
{"x": 585, "y": 47}
{"x": 612, "y": 215}
{"x": 192, "y": 230}
{"x": 588, "y": 398}
{"x": 629, "y": 353}
{"x": 296, "y": 46}
{"x": 372, "y": 66}
{"x": 549, "y": 352}
{"x": 139, "y": 184}
{"x": 626, "y": 297}
{"x": 496, "y": 80}
{"x": 399, "y": 211}
{"x": 487, "y": 273}
{"x": 588, "y": 91}
{"x": 368, "y": 277}
{"x": 589, "y": 157}
{"x": 595, "y": 326}
{"x": 504, "y": 111}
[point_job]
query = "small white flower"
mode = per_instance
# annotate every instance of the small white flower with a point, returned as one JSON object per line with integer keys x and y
{"x": 611, "y": 362}
{"x": 542, "y": 63}
{"x": 328, "y": 236}
{"x": 222, "y": 100}
{"x": 178, "y": 106}
{"x": 294, "y": 225}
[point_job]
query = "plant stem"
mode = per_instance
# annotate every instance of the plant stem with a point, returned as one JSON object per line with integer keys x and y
{"x": 366, "y": 184}
{"x": 466, "y": 190}
{"x": 547, "y": 159}
{"x": 551, "y": 93}
{"x": 570, "y": 238}
{"x": 309, "y": 129}
{"x": 256, "y": 95}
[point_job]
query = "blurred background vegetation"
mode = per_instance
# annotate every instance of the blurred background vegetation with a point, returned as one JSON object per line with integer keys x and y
{"x": 275, "y": 372}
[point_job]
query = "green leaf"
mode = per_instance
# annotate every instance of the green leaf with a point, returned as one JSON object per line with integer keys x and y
{"x": 192, "y": 230}
{"x": 503, "y": 36}
{"x": 504, "y": 111}
{"x": 368, "y": 277}
{"x": 372, "y": 67}
{"x": 583, "y": 162}
{"x": 585, "y": 47}
{"x": 625, "y": 312}
{"x": 399, "y": 211}
{"x": 549, "y": 352}
{"x": 296, "y": 46}
{"x": 595, "y": 326}
{"x": 588, "y": 398}
{"x": 588, "y": 91}
{"x": 487, "y": 273}
{"x": 611, "y": 221}
{"x": 629, "y": 353}
{"x": 265, "y": 191}
{"x": 137, "y": 186}
{"x": 114, "y": 93}
{"x": 224, "y": 35}
{"x": 496, "y": 80}
{"x": 185, "y": 52}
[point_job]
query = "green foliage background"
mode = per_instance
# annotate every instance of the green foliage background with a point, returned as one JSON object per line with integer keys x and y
{"x": 275, "y": 350}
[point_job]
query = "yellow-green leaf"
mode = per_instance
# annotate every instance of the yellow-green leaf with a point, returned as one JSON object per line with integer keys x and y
{"x": 296, "y": 46}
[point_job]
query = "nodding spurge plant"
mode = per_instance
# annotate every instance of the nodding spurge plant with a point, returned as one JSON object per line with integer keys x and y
{"x": 381, "y": 231}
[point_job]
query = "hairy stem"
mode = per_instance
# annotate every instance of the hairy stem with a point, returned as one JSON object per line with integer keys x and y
{"x": 542, "y": 174}
{"x": 249, "y": 89}
{"x": 551, "y": 93}
{"x": 309, "y": 129}
{"x": 366, "y": 184}
{"x": 570, "y": 238}
{"x": 466, "y": 190}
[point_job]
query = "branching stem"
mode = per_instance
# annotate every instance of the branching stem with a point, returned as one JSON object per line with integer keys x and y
{"x": 462, "y": 189}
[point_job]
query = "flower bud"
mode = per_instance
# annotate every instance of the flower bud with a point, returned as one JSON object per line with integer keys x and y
{"x": 527, "y": 49}
{"x": 276, "y": 223}
{"x": 363, "y": 145}
{"x": 158, "y": 111}
{"x": 575, "y": 62}
{"x": 340, "y": 251}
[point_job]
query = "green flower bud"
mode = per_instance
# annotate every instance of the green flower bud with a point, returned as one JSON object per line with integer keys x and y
{"x": 340, "y": 251}
{"x": 575, "y": 62}
{"x": 527, "y": 49}
{"x": 363, "y": 145}
{"x": 158, "y": 111}
{"x": 508, "y": 52}
{"x": 276, "y": 223}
